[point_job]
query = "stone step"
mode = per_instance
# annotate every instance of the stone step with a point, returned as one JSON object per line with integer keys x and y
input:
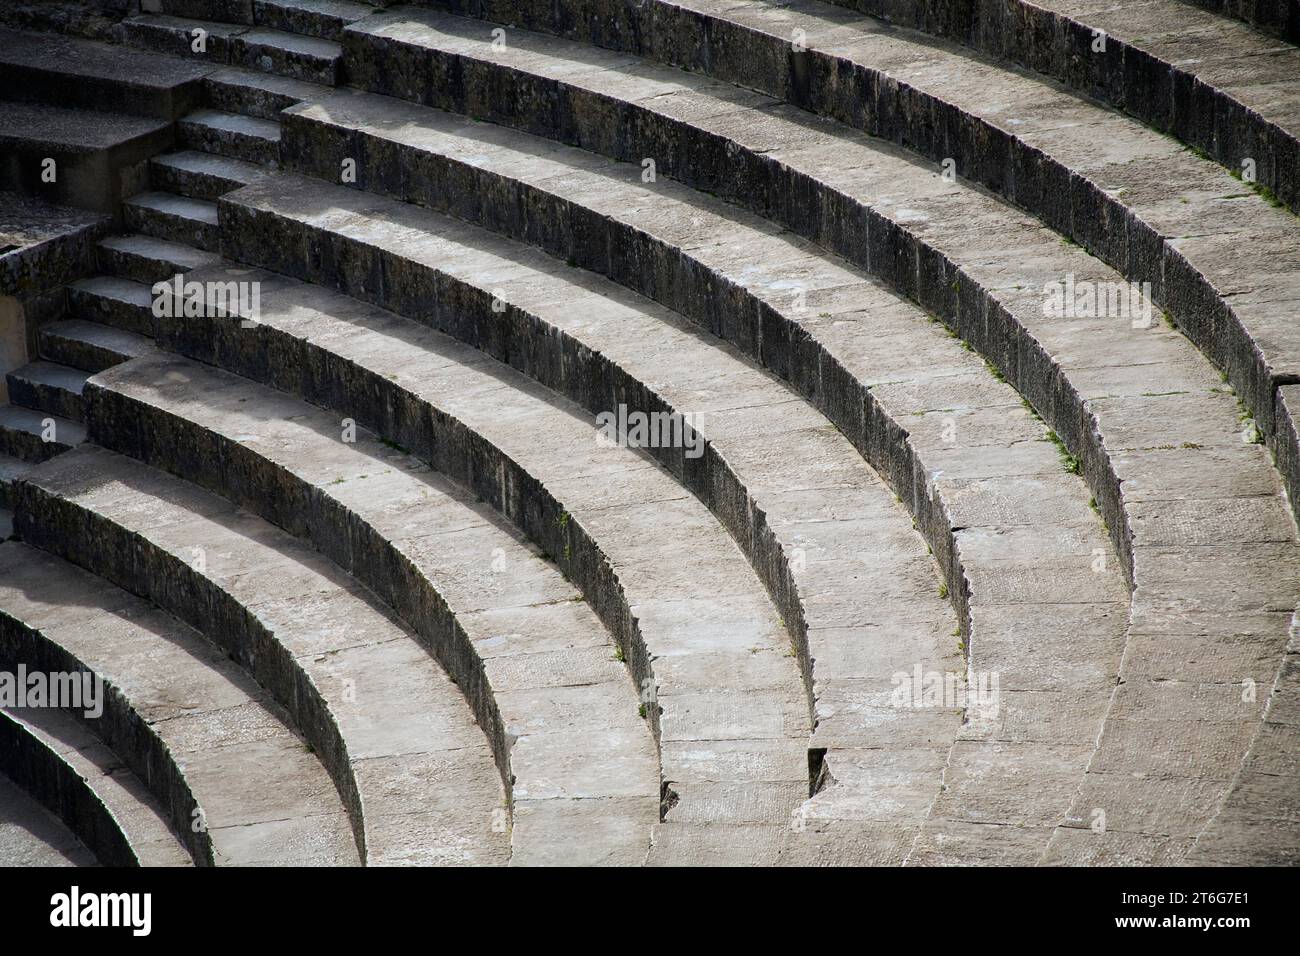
{"x": 948, "y": 256}
{"x": 223, "y": 11}
{"x": 238, "y": 44}
{"x": 368, "y": 699}
{"x": 89, "y": 345}
{"x": 87, "y": 786}
{"x": 600, "y": 516}
{"x": 147, "y": 260}
{"x": 48, "y": 68}
{"x": 515, "y": 637}
{"x": 33, "y": 836}
{"x": 49, "y": 387}
{"x": 316, "y": 18}
{"x": 306, "y": 58}
{"x": 946, "y": 484}
{"x": 96, "y": 156}
{"x": 11, "y": 470}
{"x": 201, "y": 176}
{"x": 175, "y": 218}
{"x": 208, "y": 40}
{"x": 36, "y": 436}
{"x": 1220, "y": 259}
{"x": 256, "y": 94}
{"x": 241, "y": 787}
{"x": 121, "y": 304}
{"x": 1218, "y": 85}
{"x": 233, "y": 135}
{"x": 1281, "y": 18}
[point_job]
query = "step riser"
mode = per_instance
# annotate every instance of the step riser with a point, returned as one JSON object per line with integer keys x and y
{"x": 122, "y": 731}
{"x": 81, "y": 536}
{"x": 29, "y": 447}
{"x": 161, "y": 225}
{"x": 215, "y": 49}
{"x": 181, "y": 447}
{"x": 223, "y": 11}
{"x": 303, "y": 22}
{"x": 46, "y": 398}
{"x": 229, "y": 143}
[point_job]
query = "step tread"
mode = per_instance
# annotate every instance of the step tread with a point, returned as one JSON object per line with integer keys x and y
{"x": 182, "y": 207}
{"x": 270, "y": 82}
{"x": 597, "y": 748}
{"x": 106, "y": 337}
{"x": 249, "y": 785}
{"x": 163, "y": 21}
{"x": 19, "y": 419}
{"x": 122, "y": 290}
{"x": 80, "y": 130}
{"x": 135, "y": 811}
{"x": 235, "y": 123}
{"x": 53, "y": 375}
{"x": 211, "y": 164}
{"x": 178, "y": 254}
{"x": 33, "y": 835}
{"x": 415, "y": 721}
{"x": 295, "y": 43}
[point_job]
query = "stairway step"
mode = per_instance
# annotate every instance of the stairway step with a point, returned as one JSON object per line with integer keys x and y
{"x": 233, "y": 135}
{"x": 201, "y": 175}
{"x": 11, "y": 470}
{"x": 305, "y": 630}
{"x": 207, "y": 40}
{"x": 287, "y": 54}
{"x": 594, "y": 760}
{"x": 36, "y": 436}
{"x": 223, "y": 11}
{"x": 175, "y": 218}
{"x": 49, "y": 387}
{"x": 118, "y": 303}
{"x": 89, "y": 345}
{"x": 33, "y": 835}
{"x": 147, "y": 259}
{"x": 209, "y": 742}
{"x": 89, "y": 788}
{"x": 317, "y": 18}
{"x": 601, "y": 520}
{"x": 48, "y": 68}
{"x": 252, "y": 93}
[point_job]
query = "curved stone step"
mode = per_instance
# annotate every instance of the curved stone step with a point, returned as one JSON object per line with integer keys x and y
{"x": 89, "y": 345}
{"x": 1214, "y": 83}
{"x": 32, "y": 836}
{"x": 1007, "y": 541}
{"x": 370, "y": 702}
{"x": 534, "y": 661}
{"x": 35, "y": 436}
{"x": 149, "y": 260}
{"x": 202, "y": 176}
{"x": 720, "y": 685}
{"x": 88, "y": 787}
{"x": 238, "y": 785}
{"x": 1137, "y": 404}
{"x": 50, "y": 388}
{"x": 232, "y": 135}
{"x": 1219, "y": 259}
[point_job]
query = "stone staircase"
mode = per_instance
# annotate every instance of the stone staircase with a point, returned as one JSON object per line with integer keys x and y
{"x": 466, "y": 628}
